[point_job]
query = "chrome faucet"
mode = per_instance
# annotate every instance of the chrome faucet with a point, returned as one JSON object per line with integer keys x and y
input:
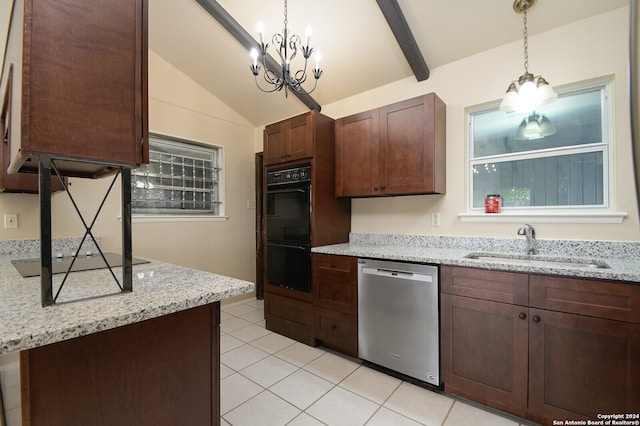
{"x": 530, "y": 233}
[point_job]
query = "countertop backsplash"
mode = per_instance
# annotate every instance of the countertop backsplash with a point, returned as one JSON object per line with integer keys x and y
{"x": 579, "y": 248}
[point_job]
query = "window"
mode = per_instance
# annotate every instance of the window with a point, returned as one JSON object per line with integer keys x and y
{"x": 568, "y": 169}
{"x": 182, "y": 178}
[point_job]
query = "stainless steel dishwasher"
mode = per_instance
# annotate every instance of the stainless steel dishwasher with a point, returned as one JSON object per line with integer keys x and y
{"x": 398, "y": 317}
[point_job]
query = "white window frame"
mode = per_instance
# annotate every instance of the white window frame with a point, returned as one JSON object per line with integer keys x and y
{"x": 139, "y": 216}
{"x": 551, "y": 214}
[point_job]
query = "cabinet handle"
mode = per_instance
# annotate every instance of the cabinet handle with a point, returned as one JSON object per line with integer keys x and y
{"x": 333, "y": 265}
{"x": 536, "y": 319}
{"x": 383, "y": 187}
{"x": 375, "y": 188}
{"x": 522, "y": 315}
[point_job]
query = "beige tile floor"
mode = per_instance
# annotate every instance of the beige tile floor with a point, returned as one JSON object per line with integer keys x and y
{"x": 269, "y": 379}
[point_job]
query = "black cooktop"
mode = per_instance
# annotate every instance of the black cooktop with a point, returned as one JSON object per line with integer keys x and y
{"x": 31, "y": 267}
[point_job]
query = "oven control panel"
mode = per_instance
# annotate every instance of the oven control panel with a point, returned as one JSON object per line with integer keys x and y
{"x": 297, "y": 174}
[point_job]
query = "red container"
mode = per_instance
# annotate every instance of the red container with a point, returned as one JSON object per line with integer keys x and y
{"x": 493, "y": 203}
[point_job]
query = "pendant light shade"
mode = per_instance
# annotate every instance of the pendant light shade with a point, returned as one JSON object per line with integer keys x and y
{"x": 535, "y": 127}
{"x": 528, "y": 91}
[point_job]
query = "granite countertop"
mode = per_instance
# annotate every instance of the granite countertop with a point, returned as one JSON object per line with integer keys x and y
{"x": 623, "y": 259}
{"x": 91, "y": 301}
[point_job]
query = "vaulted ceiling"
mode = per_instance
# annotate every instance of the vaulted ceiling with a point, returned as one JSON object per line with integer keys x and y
{"x": 358, "y": 47}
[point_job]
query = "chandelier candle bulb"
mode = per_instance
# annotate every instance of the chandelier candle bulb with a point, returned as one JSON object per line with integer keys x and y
{"x": 260, "y": 31}
{"x": 308, "y": 34}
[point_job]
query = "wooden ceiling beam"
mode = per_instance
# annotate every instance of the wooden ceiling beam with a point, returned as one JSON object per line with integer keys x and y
{"x": 223, "y": 17}
{"x": 398, "y": 24}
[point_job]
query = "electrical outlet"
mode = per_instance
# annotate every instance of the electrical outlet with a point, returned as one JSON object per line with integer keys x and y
{"x": 435, "y": 219}
{"x": 11, "y": 221}
{"x": 251, "y": 204}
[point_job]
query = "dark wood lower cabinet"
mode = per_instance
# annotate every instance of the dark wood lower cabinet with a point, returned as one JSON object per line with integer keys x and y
{"x": 582, "y": 366}
{"x": 569, "y": 351}
{"x": 335, "y": 302}
{"x": 485, "y": 352}
{"x": 162, "y": 371}
{"x": 327, "y": 316}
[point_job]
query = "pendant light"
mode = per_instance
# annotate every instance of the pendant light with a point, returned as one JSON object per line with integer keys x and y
{"x": 528, "y": 91}
{"x": 287, "y": 48}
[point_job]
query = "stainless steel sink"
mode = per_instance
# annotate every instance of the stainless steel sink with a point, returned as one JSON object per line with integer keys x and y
{"x": 533, "y": 259}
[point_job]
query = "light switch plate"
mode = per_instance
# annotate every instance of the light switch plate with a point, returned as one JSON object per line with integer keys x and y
{"x": 11, "y": 221}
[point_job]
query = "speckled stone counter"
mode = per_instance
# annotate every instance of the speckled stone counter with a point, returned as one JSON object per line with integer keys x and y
{"x": 91, "y": 301}
{"x": 623, "y": 258}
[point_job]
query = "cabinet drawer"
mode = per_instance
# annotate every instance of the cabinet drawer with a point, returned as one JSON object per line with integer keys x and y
{"x": 336, "y": 265}
{"x": 289, "y": 317}
{"x": 335, "y": 283}
{"x": 604, "y": 299}
{"x": 337, "y": 330}
{"x": 507, "y": 287}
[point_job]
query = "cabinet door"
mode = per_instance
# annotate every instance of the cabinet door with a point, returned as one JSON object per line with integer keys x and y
{"x": 412, "y": 146}
{"x": 357, "y": 159}
{"x": 485, "y": 352}
{"x": 274, "y": 144}
{"x": 299, "y": 141}
{"x": 582, "y": 366}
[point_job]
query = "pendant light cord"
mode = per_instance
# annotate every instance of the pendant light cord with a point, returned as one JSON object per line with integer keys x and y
{"x": 285, "y": 14}
{"x": 525, "y": 35}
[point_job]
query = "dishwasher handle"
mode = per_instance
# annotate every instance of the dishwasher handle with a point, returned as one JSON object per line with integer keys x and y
{"x": 402, "y": 275}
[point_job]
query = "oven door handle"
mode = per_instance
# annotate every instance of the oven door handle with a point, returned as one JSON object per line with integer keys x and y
{"x": 301, "y": 248}
{"x": 284, "y": 191}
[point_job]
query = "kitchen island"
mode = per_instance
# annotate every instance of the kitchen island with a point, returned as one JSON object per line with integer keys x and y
{"x": 100, "y": 356}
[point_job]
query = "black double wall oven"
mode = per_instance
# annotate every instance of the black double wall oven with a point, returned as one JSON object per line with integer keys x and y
{"x": 289, "y": 227}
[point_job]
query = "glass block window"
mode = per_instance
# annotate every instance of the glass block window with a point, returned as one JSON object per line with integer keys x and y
{"x": 182, "y": 178}
{"x": 566, "y": 168}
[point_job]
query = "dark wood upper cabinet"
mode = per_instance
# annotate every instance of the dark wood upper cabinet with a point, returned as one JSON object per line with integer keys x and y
{"x": 291, "y": 139}
{"x": 398, "y": 149}
{"x": 79, "y": 85}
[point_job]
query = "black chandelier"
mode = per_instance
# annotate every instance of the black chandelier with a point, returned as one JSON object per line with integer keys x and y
{"x": 287, "y": 48}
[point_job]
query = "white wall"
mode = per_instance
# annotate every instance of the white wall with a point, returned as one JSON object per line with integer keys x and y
{"x": 581, "y": 51}
{"x": 177, "y": 107}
